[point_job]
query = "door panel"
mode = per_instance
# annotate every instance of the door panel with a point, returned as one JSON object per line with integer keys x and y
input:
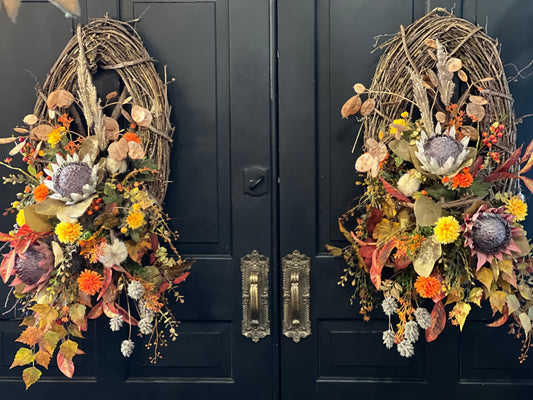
{"x": 345, "y": 357}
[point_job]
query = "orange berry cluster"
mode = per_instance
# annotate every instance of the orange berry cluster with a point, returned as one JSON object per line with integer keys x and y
{"x": 95, "y": 206}
{"x": 496, "y": 131}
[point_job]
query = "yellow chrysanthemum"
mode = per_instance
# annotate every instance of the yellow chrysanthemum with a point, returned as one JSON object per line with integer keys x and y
{"x": 517, "y": 207}
{"x": 446, "y": 230}
{"x": 135, "y": 219}
{"x": 405, "y": 114}
{"x": 68, "y": 232}
{"x": 400, "y": 121}
{"x": 54, "y": 137}
{"x": 136, "y": 206}
{"x": 21, "y": 220}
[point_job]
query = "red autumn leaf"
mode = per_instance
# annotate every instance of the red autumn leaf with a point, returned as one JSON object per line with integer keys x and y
{"x": 23, "y": 243}
{"x": 65, "y": 365}
{"x": 127, "y": 317}
{"x": 528, "y": 182}
{"x": 108, "y": 275}
{"x": 4, "y": 237}
{"x": 6, "y": 268}
{"x": 438, "y": 316}
{"x": 379, "y": 258}
{"x": 502, "y": 320}
{"x": 376, "y": 215}
{"x": 164, "y": 286}
{"x": 96, "y": 311}
{"x": 402, "y": 262}
{"x": 528, "y": 153}
{"x": 506, "y": 166}
{"x": 499, "y": 175}
{"x": 180, "y": 279}
{"x": 475, "y": 167}
{"x": 393, "y": 191}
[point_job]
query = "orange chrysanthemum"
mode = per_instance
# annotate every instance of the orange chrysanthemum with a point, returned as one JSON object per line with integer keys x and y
{"x": 90, "y": 282}
{"x": 428, "y": 287}
{"x": 40, "y": 192}
{"x": 132, "y": 137}
{"x": 463, "y": 180}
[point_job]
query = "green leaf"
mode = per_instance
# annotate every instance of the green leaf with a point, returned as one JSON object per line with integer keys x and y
{"x": 427, "y": 256}
{"x": 32, "y": 170}
{"x": 30, "y": 376}
{"x": 479, "y": 188}
{"x": 401, "y": 148}
{"x": 334, "y": 251}
{"x": 438, "y": 191}
{"x": 76, "y": 313}
{"x": 68, "y": 349}
{"x": 427, "y": 212}
{"x": 49, "y": 341}
{"x": 24, "y": 356}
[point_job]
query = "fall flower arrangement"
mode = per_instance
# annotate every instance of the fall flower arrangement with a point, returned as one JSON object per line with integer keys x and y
{"x": 440, "y": 221}
{"x": 90, "y": 239}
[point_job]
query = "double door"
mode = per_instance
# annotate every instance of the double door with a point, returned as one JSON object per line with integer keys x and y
{"x": 261, "y": 161}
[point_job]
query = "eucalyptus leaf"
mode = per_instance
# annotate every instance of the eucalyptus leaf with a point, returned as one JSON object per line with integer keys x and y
{"x": 427, "y": 212}
{"x": 401, "y": 148}
{"x": 37, "y": 222}
{"x": 90, "y": 148}
{"x": 427, "y": 256}
{"x": 58, "y": 253}
{"x": 73, "y": 212}
{"x": 49, "y": 206}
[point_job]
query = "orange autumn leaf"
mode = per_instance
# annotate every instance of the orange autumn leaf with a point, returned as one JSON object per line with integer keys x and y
{"x": 42, "y": 358}
{"x": 31, "y": 336}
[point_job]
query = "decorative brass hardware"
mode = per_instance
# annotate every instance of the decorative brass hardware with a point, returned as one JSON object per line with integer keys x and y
{"x": 255, "y": 319}
{"x": 296, "y": 323}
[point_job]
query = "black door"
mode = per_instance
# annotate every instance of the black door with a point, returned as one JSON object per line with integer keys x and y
{"x": 260, "y": 84}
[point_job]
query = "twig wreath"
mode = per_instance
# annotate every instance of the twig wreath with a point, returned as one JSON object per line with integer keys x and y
{"x": 91, "y": 237}
{"x": 439, "y": 223}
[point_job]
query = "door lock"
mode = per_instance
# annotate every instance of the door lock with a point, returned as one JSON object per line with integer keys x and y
{"x": 255, "y": 179}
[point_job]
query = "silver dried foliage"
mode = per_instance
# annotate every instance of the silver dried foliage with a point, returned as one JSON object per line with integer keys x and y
{"x": 145, "y": 326}
{"x": 388, "y": 339}
{"x": 135, "y": 290}
{"x": 145, "y": 312}
{"x": 411, "y": 332}
{"x": 116, "y": 322}
{"x": 389, "y": 306}
{"x": 421, "y": 99}
{"x": 406, "y": 349}
{"x": 423, "y": 317}
{"x": 126, "y": 347}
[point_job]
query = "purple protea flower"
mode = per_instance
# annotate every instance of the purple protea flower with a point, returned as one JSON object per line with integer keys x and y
{"x": 34, "y": 266}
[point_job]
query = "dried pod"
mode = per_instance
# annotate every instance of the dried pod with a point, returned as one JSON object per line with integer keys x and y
{"x": 367, "y": 107}
{"x": 8, "y": 140}
{"x": 30, "y": 119}
{"x": 351, "y": 107}
{"x": 41, "y": 132}
{"x": 17, "y": 148}
{"x": 441, "y": 117}
{"x": 111, "y": 95}
{"x": 141, "y": 115}
{"x": 462, "y": 75}
{"x": 430, "y": 43}
{"x": 112, "y": 129}
{"x": 399, "y": 127}
{"x": 21, "y": 130}
{"x": 475, "y": 110}
{"x": 470, "y": 131}
{"x": 432, "y": 76}
{"x": 359, "y": 88}
{"x": 118, "y": 150}
{"x": 454, "y": 64}
{"x": 136, "y": 151}
{"x": 478, "y": 100}
{"x": 60, "y": 98}
{"x": 432, "y": 54}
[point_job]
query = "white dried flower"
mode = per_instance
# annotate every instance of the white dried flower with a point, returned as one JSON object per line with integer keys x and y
{"x": 389, "y": 306}
{"x": 114, "y": 254}
{"x": 145, "y": 312}
{"x": 145, "y": 326}
{"x": 388, "y": 338}
{"x": 423, "y": 317}
{"x": 408, "y": 184}
{"x": 135, "y": 290}
{"x": 116, "y": 322}
{"x": 411, "y": 332}
{"x": 126, "y": 348}
{"x": 406, "y": 349}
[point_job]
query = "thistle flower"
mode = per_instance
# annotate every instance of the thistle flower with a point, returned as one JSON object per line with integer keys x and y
{"x": 388, "y": 339}
{"x": 406, "y": 349}
{"x": 411, "y": 332}
{"x": 389, "y": 306}
{"x": 72, "y": 180}
{"x": 145, "y": 326}
{"x": 489, "y": 234}
{"x": 441, "y": 153}
{"x": 423, "y": 317}
{"x": 126, "y": 347}
{"x": 135, "y": 290}
{"x": 116, "y": 322}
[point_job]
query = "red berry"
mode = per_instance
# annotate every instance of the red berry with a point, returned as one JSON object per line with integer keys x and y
{"x": 90, "y": 212}
{"x": 21, "y": 139}
{"x": 96, "y": 207}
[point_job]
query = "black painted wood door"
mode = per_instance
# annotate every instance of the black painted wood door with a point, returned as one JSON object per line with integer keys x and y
{"x": 261, "y": 82}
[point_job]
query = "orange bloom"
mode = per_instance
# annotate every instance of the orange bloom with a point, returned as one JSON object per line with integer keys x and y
{"x": 90, "y": 282}
{"x": 427, "y": 287}
{"x": 463, "y": 180}
{"x": 40, "y": 192}
{"x": 132, "y": 137}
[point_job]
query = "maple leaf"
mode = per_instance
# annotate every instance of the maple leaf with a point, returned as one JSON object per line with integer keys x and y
{"x": 31, "y": 336}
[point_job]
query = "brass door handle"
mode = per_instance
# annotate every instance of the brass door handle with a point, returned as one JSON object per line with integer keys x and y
{"x": 255, "y": 319}
{"x": 296, "y": 296}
